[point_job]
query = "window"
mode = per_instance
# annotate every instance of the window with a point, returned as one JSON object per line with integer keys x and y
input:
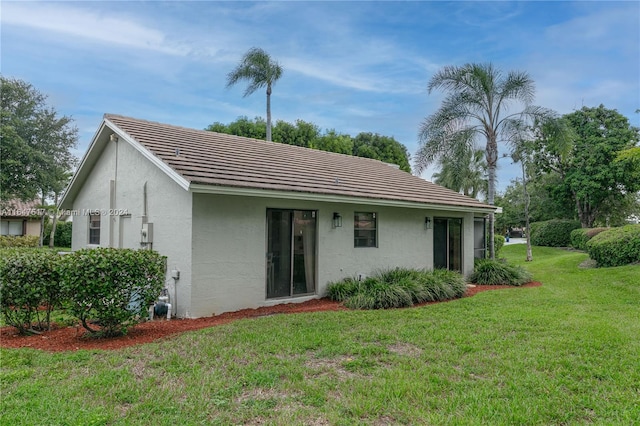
{"x": 94, "y": 229}
{"x": 11, "y": 227}
{"x": 365, "y": 229}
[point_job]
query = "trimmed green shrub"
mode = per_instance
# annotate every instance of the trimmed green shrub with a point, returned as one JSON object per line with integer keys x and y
{"x": 62, "y": 237}
{"x": 112, "y": 287}
{"x": 616, "y": 246}
{"x": 19, "y": 241}
{"x": 398, "y": 287}
{"x": 495, "y": 272}
{"x": 553, "y": 233}
{"x": 580, "y": 237}
{"x": 29, "y": 288}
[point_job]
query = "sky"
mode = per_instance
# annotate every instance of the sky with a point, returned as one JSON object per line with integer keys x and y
{"x": 349, "y": 66}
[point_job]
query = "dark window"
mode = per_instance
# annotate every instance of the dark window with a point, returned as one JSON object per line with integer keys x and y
{"x": 365, "y": 230}
{"x": 94, "y": 229}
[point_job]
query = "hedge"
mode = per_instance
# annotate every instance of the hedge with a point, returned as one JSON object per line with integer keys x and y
{"x": 107, "y": 289}
{"x": 113, "y": 287}
{"x": 616, "y": 246}
{"x": 580, "y": 237}
{"x": 29, "y": 281}
{"x": 553, "y": 233}
{"x": 19, "y": 241}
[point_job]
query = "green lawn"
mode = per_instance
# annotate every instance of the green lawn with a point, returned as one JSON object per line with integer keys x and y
{"x": 564, "y": 353}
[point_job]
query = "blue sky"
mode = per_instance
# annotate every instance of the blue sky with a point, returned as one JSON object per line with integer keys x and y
{"x": 349, "y": 66}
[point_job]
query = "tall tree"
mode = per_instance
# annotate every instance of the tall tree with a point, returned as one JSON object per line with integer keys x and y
{"x": 333, "y": 141}
{"x": 260, "y": 70}
{"x": 464, "y": 172}
{"x": 302, "y": 133}
{"x": 479, "y": 103}
{"x": 383, "y": 148}
{"x": 36, "y": 143}
{"x": 596, "y": 177}
{"x": 307, "y": 134}
{"x": 522, "y": 154}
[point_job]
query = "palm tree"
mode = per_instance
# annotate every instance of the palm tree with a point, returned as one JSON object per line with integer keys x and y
{"x": 464, "y": 172}
{"x": 479, "y": 103}
{"x": 260, "y": 70}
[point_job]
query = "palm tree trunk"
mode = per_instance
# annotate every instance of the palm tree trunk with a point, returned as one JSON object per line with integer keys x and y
{"x": 526, "y": 211}
{"x": 492, "y": 157}
{"x": 492, "y": 218}
{"x": 269, "y": 113}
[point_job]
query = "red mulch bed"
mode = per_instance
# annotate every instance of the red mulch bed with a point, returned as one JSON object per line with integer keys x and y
{"x": 73, "y": 338}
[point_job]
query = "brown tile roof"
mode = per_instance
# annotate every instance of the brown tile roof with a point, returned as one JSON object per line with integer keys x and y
{"x": 218, "y": 159}
{"x": 18, "y": 208}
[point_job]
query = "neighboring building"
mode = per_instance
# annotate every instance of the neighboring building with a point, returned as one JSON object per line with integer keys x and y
{"x": 247, "y": 223}
{"x": 19, "y": 218}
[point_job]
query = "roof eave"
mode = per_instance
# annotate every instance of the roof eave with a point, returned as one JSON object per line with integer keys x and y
{"x": 330, "y": 198}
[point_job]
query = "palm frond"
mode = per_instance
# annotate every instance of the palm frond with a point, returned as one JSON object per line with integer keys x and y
{"x": 256, "y": 67}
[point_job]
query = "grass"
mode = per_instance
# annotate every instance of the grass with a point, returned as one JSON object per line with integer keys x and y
{"x": 564, "y": 353}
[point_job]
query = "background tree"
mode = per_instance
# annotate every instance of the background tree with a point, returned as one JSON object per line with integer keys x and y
{"x": 594, "y": 179}
{"x": 260, "y": 71}
{"x": 243, "y": 126}
{"x": 307, "y": 134}
{"x": 478, "y": 104}
{"x": 465, "y": 172}
{"x": 383, "y": 148}
{"x": 301, "y": 133}
{"x": 333, "y": 141}
{"x": 35, "y": 157}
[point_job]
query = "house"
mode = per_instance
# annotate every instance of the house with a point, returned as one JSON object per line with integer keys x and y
{"x": 18, "y": 218}
{"x": 247, "y": 223}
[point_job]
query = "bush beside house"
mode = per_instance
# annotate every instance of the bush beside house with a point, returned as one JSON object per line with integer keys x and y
{"x": 553, "y": 233}
{"x": 495, "y": 272}
{"x": 616, "y": 246}
{"x": 29, "y": 281}
{"x": 398, "y": 287}
{"x": 111, "y": 288}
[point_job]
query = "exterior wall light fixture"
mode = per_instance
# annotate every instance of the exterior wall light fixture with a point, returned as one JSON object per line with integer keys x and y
{"x": 337, "y": 220}
{"x": 427, "y": 222}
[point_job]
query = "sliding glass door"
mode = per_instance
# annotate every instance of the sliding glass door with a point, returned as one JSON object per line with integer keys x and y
{"x": 447, "y": 243}
{"x": 291, "y": 252}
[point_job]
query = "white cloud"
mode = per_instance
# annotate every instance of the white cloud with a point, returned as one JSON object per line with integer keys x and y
{"x": 88, "y": 25}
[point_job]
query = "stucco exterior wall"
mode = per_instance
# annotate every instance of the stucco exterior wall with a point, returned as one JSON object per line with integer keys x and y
{"x": 229, "y": 247}
{"x": 33, "y": 227}
{"x": 122, "y": 212}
